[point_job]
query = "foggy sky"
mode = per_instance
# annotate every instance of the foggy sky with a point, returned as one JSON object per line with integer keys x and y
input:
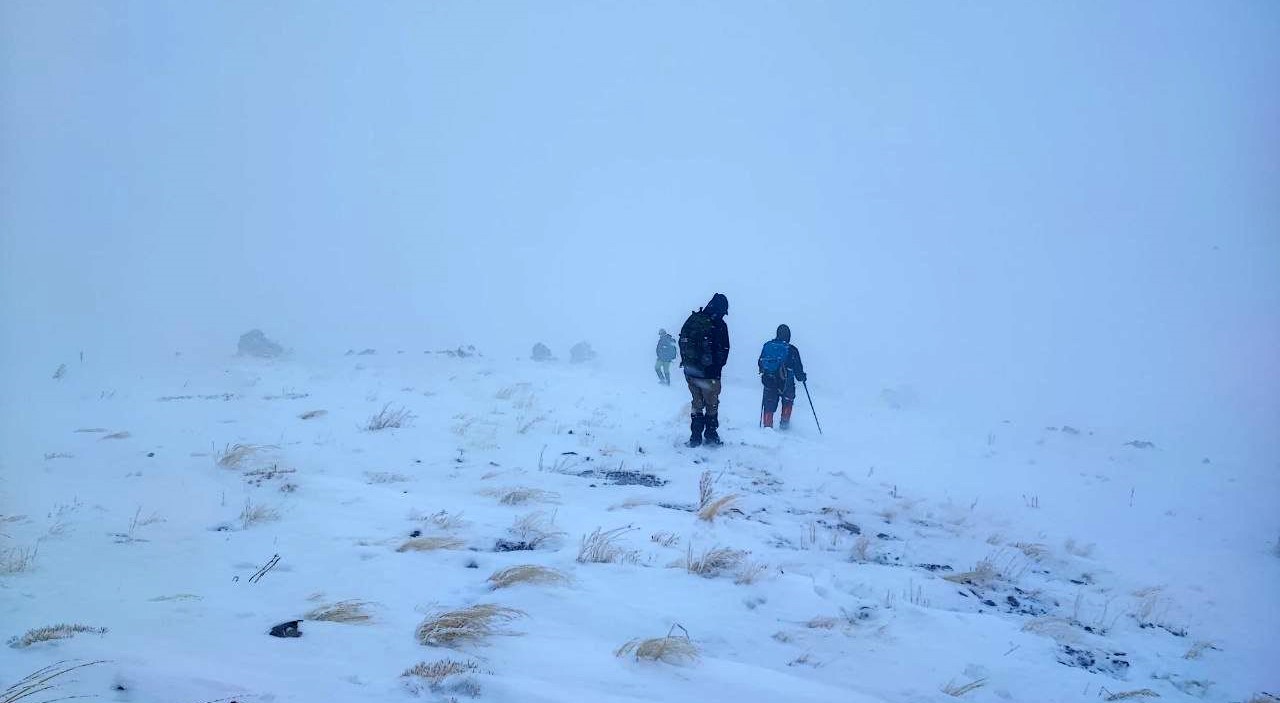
{"x": 1061, "y": 208}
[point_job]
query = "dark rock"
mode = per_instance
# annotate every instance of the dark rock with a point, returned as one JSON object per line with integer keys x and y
{"x": 934, "y": 567}
{"x": 850, "y": 528}
{"x": 504, "y": 545}
{"x": 1140, "y": 444}
{"x": 1012, "y": 601}
{"x": 255, "y": 343}
{"x": 150, "y": 454}
{"x": 416, "y": 533}
{"x": 287, "y": 629}
{"x": 989, "y": 603}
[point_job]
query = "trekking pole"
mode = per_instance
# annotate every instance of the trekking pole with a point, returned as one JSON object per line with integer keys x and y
{"x": 815, "y": 412}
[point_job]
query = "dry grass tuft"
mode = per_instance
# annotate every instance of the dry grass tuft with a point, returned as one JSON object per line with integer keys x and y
{"x": 443, "y": 519}
{"x": 15, "y": 560}
{"x": 1126, "y": 695}
{"x": 256, "y": 514}
{"x": 466, "y": 625}
{"x": 603, "y": 548}
{"x": 669, "y": 649}
{"x": 313, "y": 414}
{"x": 527, "y": 573}
{"x": 439, "y": 670}
{"x": 983, "y": 573}
{"x": 713, "y": 508}
{"x": 345, "y": 611}
{"x": 714, "y": 561}
{"x": 41, "y": 680}
{"x": 664, "y": 538}
{"x": 706, "y": 486}
{"x": 389, "y": 419}
{"x": 521, "y": 495}
{"x": 118, "y": 435}
{"x": 385, "y": 477}
{"x": 1033, "y": 550}
{"x": 233, "y": 456}
{"x": 537, "y": 529}
{"x": 429, "y": 544}
{"x": 861, "y": 549}
{"x": 951, "y": 689}
{"x": 1083, "y": 551}
{"x": 1198, "y": 649}
{"x": 53, "y": 632}
{"x": 750, "y": 572}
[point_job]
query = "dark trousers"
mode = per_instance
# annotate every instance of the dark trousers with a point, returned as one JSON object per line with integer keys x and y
{"x": 775, "y": 390}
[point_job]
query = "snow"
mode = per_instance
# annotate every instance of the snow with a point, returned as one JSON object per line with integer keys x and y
{"x": 1154, "y": 549}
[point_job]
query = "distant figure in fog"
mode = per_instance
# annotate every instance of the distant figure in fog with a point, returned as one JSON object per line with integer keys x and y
{"x": 666, "y": 352}
{"x": 780, "y": 368}
{"x": 581, "y": 353}
{"x": 542, "y": 353}
{"x": 704, "y": 350}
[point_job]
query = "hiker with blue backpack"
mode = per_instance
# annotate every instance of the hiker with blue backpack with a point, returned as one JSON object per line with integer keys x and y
{"x": 666, "y": 351}
{"x": 704, "y": 350}
{"x": 780, "y": 368}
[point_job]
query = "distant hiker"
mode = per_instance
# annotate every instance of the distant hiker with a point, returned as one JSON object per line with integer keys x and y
{"x": 542, "y": 353}
{"x": 581, "y": 353}
{"x": 704, "y": 350}
{"x": 666, "y": 352}
{"x": 780, "y": 368}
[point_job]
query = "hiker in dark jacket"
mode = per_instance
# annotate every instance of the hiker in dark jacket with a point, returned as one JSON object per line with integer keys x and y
{"x": 704, "y": 350}
{"x": 666, "y": 351}
{"x": 780, "y": 368}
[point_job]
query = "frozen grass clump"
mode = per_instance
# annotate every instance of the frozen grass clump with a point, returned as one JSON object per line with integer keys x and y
{"x": 714, "y": 561}
{"x": 41, "y": 680}
{"x": 15, "y": 560}
{"x": 750, "y": 572}
{"x": 604, "y": 548}
{"x": 446, "y": 677}
{"x": 537, "y": 529}
{"x": 312, "y": 414}
{"x": 53, "y": 632}
{"x": 234, "y": 456}
{"x": 669, "y": 649}
{"x": 665, "y": 538}
{"x": 1130, "y": 695}
{"x": 443, "y": 519}
{"x": 389, "y": 418}
{"x": 257, "y": 514}
{"x": 522, "y": 495}
{"x": 430, "y": 544}
{"x": 527, "y": 573}
{"x": 951, "y": 689}
{"x": 713, "y": 508}
{"x": 470, "y": 625}
{"x": 344, "y": 611}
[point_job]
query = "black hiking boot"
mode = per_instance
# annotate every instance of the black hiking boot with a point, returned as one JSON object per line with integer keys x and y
{"x": 712, "y": 438}
{"x": 696, "y": 423}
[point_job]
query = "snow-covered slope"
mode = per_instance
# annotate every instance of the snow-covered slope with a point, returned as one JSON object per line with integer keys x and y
{"x": 901, "y": 553}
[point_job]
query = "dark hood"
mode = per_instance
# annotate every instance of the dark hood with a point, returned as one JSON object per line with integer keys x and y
{"x": 784, "y": 333}
{"x": 719, "y": 305}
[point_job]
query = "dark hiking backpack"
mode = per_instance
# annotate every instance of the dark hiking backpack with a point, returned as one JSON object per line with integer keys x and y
{"x": 773, "y": 359}
{"x": 696, "y": 342}
{"x": 666, "y": 349}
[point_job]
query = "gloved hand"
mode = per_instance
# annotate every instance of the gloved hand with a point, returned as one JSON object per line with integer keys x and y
{"x": 802, "y": 377}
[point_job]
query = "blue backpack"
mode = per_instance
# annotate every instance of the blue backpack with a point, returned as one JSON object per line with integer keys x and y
{"x": 773, "y": 358}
